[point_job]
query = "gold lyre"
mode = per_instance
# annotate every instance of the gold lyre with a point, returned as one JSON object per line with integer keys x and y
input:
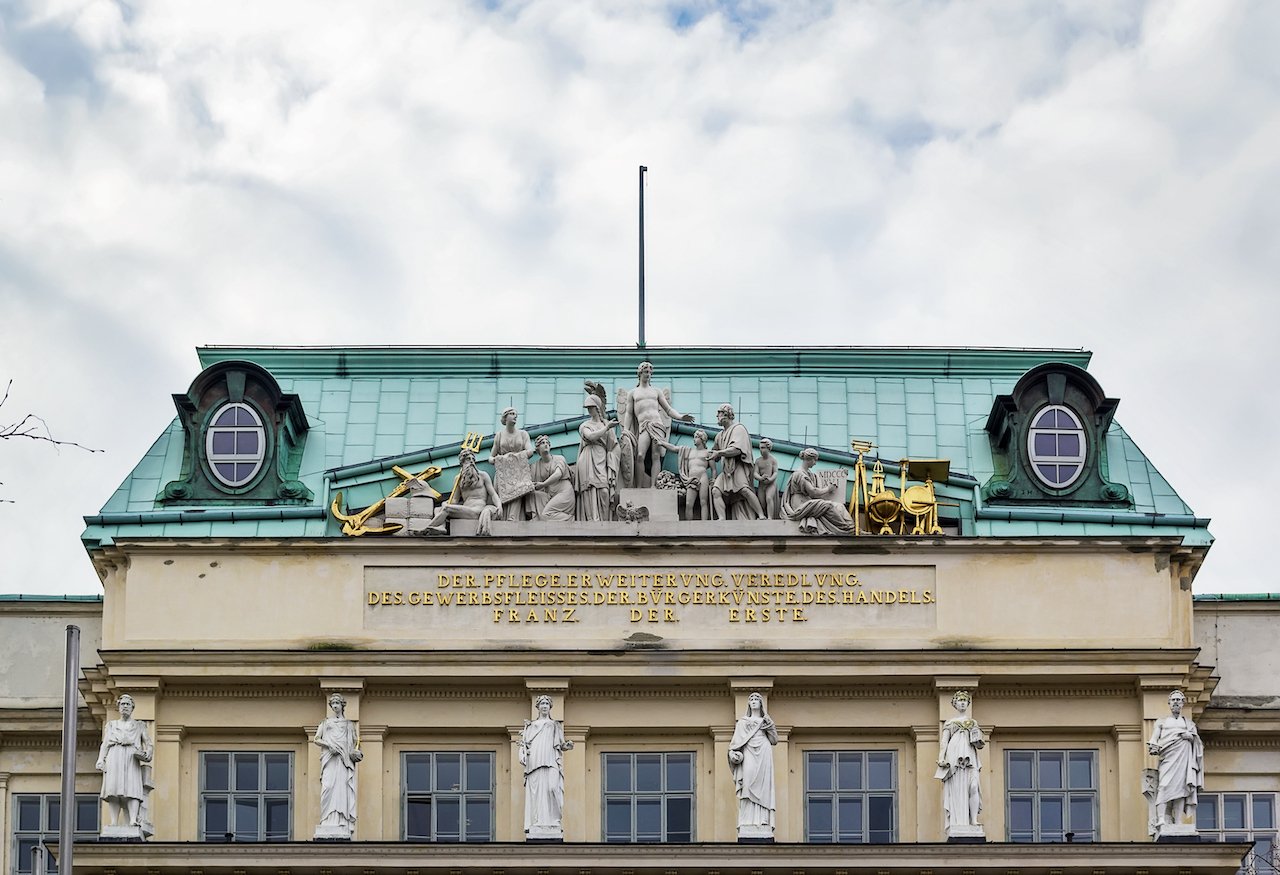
{"x": 470, "y": 442}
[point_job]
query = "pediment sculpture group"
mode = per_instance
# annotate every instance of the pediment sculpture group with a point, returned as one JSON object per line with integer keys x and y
{"x": 725, "y": 480}
{"x": 125, "y": 759}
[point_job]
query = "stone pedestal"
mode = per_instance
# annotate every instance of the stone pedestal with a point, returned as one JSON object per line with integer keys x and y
{"x": 545, "y": 834}
{"x": 1177, "y": 833}
{"x": 972, "y": 834}
{"x": 340, "y": 833}
{"x": 755, "y": 834}
{"x": 121, "y": 834}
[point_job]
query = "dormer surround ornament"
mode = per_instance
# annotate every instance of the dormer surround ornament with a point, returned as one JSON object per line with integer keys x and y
{"x": 243, "y": 440}
{"x": 1048, "y": 441}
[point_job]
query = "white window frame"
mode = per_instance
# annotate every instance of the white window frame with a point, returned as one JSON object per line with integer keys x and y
{"x": 1264, "y": 863}
{"x": 634, "y": 795}
{"x": 1037, "y": 460}
{"x": 261, "y": 794}
{"x": 1066, "y": 792}
{"x": 463, "y": 794}
{"x": 47, "y": 831}
{"x": 256, "y": 459}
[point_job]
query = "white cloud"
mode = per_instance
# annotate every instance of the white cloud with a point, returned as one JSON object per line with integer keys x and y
{"x": 1097, "y": 175}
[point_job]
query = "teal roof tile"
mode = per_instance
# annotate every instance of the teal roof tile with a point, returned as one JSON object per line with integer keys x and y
{"x": 392, "y": 401}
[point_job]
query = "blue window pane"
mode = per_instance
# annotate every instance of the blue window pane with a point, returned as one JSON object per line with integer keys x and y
{"x": 25, "y": 846}
{"x": 1080, "y": 770}
{"x": 1021, "y": 818}
{"x": 227, "y": 417}
{"x": 217, "y": 771}
{"x": 418, "y": 820}
{"x": 679, "y": 772}
{"x": 1066, "y": 472}
{"x": 246, "y": 443}
{"x": 479, "y": 772}
{"x": 29, "y": 814}
{"x": 448, "y": 819}
{"x": 1020, "y": 770}
{"x": 819, "y": 777}
{"x": 680, "y": 819}
{"x": 820, "y": 819}
{"x": 246, "y": 771}
{"x": 87, "y": 808}
{"x": 277, "y": 771}
{"x": 1049, "y": 473}
{"x": 215, "y": 820}
{"x": 448, "y": 771}
{"x": 648, "y": 772}
{"x": 478, "y": 820}
{"x": 617, "y": 820}
{"x": 880, "y": 771}
{"x": 849, "y": 818}
{"x": 1081, "y": 814}
{"x": 1068, "y": 445}
{"x": 1207, "y": 813}
{"x": 1264, "y": 815}
{"x": 417, "y": 773}
{"x": 880, "y": 818}
{"x": 1233, "y": 812}
{"x": 848, "y": 771}
{"x": 246, "y": 818}
{"x": 53, "y": 813}
{"x": 1050, "y": 771}
{"x": 1046, "y": 445}
{"x": 226, "y": 470}
{"x": 277, "y": 818}
{"x": 224, "y": 443}
{"x": 648, "y": 820}
{"x": 617, "y": 773}
{"x": 1048, "y": 419}
{"x": 244, "y": 470}
{"x": 1051, "y": 818}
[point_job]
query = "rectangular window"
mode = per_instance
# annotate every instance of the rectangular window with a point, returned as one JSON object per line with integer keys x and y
{"x": 36, "y": 819}
{"x": 1051, "y": 793}
{"x": 648, "y": 797}
{"x": 447, "y": 796}
{"x": 246, "y": 796}
{"x": 1242, "y": 817}
{"x": 851, "y": 796}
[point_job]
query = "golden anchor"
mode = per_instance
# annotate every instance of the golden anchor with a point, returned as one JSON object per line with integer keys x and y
{"x": 357, "y": 524}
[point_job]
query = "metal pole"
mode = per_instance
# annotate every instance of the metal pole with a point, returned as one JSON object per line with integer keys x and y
{"x": 70, "y": 709}
{"x": 643, "y": 170}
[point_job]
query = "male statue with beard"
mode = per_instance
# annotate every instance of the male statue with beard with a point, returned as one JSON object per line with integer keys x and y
{"x": 732, "y": 449}
{"x": 647, "y": 421}
{"x": 474, "y": 499}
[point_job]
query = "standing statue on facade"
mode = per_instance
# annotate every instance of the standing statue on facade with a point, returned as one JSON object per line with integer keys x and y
{"x": 123, "y": 759}
{"x": 596, "y": 471}
{"x": 1176, "y": 742}
{"x": 339, "y": 745}
{"x": 645, "y": 414}
{"x": 958, "y": 769}
{"x": 766, "y": 470}
{"x": 510, "y": 456}
{"x": 553, "y": 496}
{"x": 474, "y": 498}
{"x": 816, "y": 505}
{"x": 542, "y": 747}
{"x": 751, "y": 764}
{"x": 695, "y": 475}
{"x": 731, "y": 492}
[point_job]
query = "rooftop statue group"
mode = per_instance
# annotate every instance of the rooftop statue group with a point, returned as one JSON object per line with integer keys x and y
{"x": 725, "y": 480}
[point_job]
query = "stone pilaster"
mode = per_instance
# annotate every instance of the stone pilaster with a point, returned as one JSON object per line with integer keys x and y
{"x": 374, "y": 822}
{"x": 173, "y": 806}
{"x": 1130, "y": 824}
{"x": 929, "y": 816}
{"x": 725, "y": 800}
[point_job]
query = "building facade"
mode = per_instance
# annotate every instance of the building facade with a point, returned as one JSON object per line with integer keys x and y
{"x": 946, "y": 521}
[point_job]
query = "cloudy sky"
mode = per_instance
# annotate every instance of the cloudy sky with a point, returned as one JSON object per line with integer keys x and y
{"x": 1087, "y": 174}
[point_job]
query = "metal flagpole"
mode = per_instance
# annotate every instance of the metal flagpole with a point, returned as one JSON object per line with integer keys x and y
{"x": 70, "y": 701}
{"x": 643, "y": 170}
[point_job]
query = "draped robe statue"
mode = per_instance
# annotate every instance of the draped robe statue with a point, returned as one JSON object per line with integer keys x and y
{"x": 1176, "y": 742}
{"x": 339, "y": 752}
{"x": 751, "y": 764}
{"x": 122, "y": 759}
{"x": 958, "y": 769}
{"x": 542, "y": 747}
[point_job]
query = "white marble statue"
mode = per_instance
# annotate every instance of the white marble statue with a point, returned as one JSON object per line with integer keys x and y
{"x": 509, "y": 455}
{"x": 474, "y": 499}
{"x": 553, "y": 496}
{"x": 123, "y": 759}
{"x": 695, "y": 475}
{"x": 817, "y": 506}
{"x": 596, "y": 471}
{"x": 1176, "y": 742}
{"x": 751, "y": 764}
{"x": 645, "y": 414}
{"x": 339, "y": 746}
{"x": 542, "y": 747}
{"x": 766, "y": 471}
{"x": 958, "y": 768}
{"x": 731, "y": 491}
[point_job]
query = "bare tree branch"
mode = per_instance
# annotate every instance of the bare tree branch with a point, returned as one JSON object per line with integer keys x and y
{"x": 34, "y": 428}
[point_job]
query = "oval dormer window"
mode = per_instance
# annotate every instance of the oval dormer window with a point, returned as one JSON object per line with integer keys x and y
{"x": 234, "y": 444}
{"x": 1056, "y": 445}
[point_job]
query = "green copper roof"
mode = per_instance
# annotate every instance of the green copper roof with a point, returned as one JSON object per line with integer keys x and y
{"x": 365, "y": 404}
